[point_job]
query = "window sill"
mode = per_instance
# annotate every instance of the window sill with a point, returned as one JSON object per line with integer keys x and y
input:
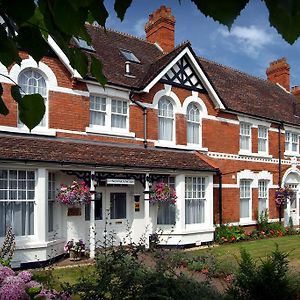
{"x": 35, "y": 131}
{"x": 109, "y": 132}
{"x": 288, "y": 153}
{"x": 248, "y": 153}
{"x": 164, "y": 144}
{"x": 247, "y": 222}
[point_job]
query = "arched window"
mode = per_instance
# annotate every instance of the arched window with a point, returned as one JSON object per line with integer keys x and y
{"x": 193, "y": 124}
{"x": 32, "y": 82}
{"x": 165, "y": 120}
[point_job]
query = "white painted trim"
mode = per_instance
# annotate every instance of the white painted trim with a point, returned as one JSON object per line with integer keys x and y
{"x": 194, "y": 98}
{"x": 170, "y": 95}
{"x": 254, "y": 122}
{"x": 63, "y": 58}
{"x": 48, "y": 74}
{"x": 164, "y": 144}
{"x": 35, "y": 131}
{"x": 64, "y": 90}
{"x": 112, "y": 131}
{"x": 108, "y": 91}
{"x": 227, "y": 185}
{"x": 217, "y": 101}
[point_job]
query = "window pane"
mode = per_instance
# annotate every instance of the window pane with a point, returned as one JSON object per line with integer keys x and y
{"x": 166, "y": 214}
{"x": 118, "y": 121}
{"x": 244, "y": 208}
{"x": 118, "y": 205}
{"x": 50, "y": 216}
{"x": 98, "y": 208}
{"x": 194, "y": 211}
{"x": 165, "y": 129}
{"x": 193, "y": 133}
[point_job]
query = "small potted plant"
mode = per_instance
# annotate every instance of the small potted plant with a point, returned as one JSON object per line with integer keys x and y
{"x": 74, "y": 249}
{"x": 74, "y": 196}
{"x": 162, "y": 193}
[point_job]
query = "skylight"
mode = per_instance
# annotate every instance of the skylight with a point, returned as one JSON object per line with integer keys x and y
{"x": 83, "y": 44}
{"x": 129, "y": 56}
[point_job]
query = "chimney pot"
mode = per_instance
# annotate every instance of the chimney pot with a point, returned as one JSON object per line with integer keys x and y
{"x": 160, "y": 28}
{"x": 279, "y": 72}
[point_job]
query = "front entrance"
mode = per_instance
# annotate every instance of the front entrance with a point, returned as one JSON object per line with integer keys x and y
{"x": 293, "y": 206}
{"x": 112, "y": 214}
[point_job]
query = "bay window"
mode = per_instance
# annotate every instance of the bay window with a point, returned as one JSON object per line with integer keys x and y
{"x": 262, "y": 196}
{"x": 195, "y": 200}
{"x": 193, "y": 124}
{"x": 51, "y": 200}
{"x": 245, "y": 136}
{"x": 166, "y": 214}
{"x": 262, "y": 139}
{"x": 165, "y": 120}
{"x": 17, "y": 195}
{"x": 245, "y": 199}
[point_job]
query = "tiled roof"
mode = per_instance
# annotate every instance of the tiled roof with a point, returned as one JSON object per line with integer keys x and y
{"x": 20, "y": 148}
{"x": 241, "y": 92}
{"x": 238, "y": 91}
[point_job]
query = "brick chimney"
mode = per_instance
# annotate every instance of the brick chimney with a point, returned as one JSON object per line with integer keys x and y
{"x": 279, "y": 72}
{"x": 296, "y": 91}
{"x": 160, "y": 28}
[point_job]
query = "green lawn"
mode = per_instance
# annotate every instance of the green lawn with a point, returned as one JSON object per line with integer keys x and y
{"x": 258, "y": 249}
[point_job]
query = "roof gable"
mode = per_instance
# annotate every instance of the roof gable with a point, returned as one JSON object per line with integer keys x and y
{"x": 182, "y": 74}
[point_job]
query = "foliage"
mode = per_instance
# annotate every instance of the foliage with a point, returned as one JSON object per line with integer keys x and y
{"x": 163, "y": 193}
{"x": 29, "y": 20}
{"x": 206, "y": 264}
{"x": 78, "y": 193}
{"x": 270, "y": 279}
{"x": 231, "y": 234}
{"x": 8, "y": 248}
{"x": 16, "y": 286}
{"x": 263, "y": 220}
{"x": 121, "y": 274}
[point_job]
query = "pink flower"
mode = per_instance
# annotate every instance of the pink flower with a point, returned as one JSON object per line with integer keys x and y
{"x": 25, "y": 276}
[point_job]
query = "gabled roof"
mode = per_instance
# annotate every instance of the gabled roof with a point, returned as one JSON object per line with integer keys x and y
{"x": 250, "y": 95}
{"x": 229, "y": 88}
{"x": 95, "y": 154}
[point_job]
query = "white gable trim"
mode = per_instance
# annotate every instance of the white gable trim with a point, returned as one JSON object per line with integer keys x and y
{"x": 63, "y": 58}
{"x": 217, "y": 101}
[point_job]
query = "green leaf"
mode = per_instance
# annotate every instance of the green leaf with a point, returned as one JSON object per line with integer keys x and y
{"x": 31, "y": 40}
{"x": 8, "y": 49}
{"x": 79, "y": 61}
{"x": 224, "y": 12}
{"x": 3, "y": 108}
{"x": 120, "y": 8}
{"x": 31, "y": 110}
{"x": 15, "y": 93}
{"x": 99, "y": 12}
{"x": 284, "y": 15}
{"x": 96, "y": 70}
{"x": 19, "y": 11}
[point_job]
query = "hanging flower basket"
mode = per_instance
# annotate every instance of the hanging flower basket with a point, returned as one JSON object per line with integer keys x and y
{"x": 74, "y": 195}
{"x": 162, "y": 193}
{"x": 282, "y": 195}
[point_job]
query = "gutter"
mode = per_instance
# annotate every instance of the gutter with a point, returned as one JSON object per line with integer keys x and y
{"x": 219, "y": 173}
{"x": 144, "y": 108}
{"x": 280, "y": 126}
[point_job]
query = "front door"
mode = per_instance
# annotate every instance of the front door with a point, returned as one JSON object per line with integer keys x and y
{"x": 293, "y": 206}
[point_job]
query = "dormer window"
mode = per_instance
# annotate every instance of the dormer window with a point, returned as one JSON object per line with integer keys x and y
{"x": 82, "y": 44}
{"x": 129, "y": 56}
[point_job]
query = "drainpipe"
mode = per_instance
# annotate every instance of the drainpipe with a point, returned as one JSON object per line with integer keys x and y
{"x": 220, "y": 198}
{"x": 144, "y": 108}
{"x": 280, "y": 126}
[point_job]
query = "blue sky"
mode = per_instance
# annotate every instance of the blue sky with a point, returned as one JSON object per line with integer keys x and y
{"x": 250, "y": 45}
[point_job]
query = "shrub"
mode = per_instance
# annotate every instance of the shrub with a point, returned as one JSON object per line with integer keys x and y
{"x": 263, "y": 220}
{"x": 226, "y": 233}
{"x": 270, "y": 279}
{"x": 204, "y": 263}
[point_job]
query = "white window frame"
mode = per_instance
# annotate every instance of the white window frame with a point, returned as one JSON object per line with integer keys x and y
{"x": 173, "y": 118}
{"x": 22, "y": 200}
{"x": 249, "y": 218}
{"x": 261, "y": 191}
{"x": 101, "y": 111}
{"x": 197, "y": 122}
{"x": 51, "y": 196}
{"x": 203, "y": 197}
{"x": 45, "y": 97}
{"x": 264, "y": 138}
{"x": 249, "y": 136}
{"x": 107, "y": 128}
{"x": 289, "y": 142}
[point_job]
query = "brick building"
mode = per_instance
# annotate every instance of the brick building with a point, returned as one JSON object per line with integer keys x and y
{"x": 223, "y": 139}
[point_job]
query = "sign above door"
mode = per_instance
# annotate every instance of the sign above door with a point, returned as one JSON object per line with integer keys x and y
{"x": 120, "y": 181}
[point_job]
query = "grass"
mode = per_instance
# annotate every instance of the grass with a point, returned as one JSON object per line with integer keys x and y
{"x": 258, "y": 249}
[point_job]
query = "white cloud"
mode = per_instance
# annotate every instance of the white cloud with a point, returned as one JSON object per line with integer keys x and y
{"x": 250, "y": 40}
{"x": 139, "y": 27}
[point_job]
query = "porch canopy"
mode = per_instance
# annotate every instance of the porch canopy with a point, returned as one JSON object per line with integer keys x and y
{"x": 95, "y": 154}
